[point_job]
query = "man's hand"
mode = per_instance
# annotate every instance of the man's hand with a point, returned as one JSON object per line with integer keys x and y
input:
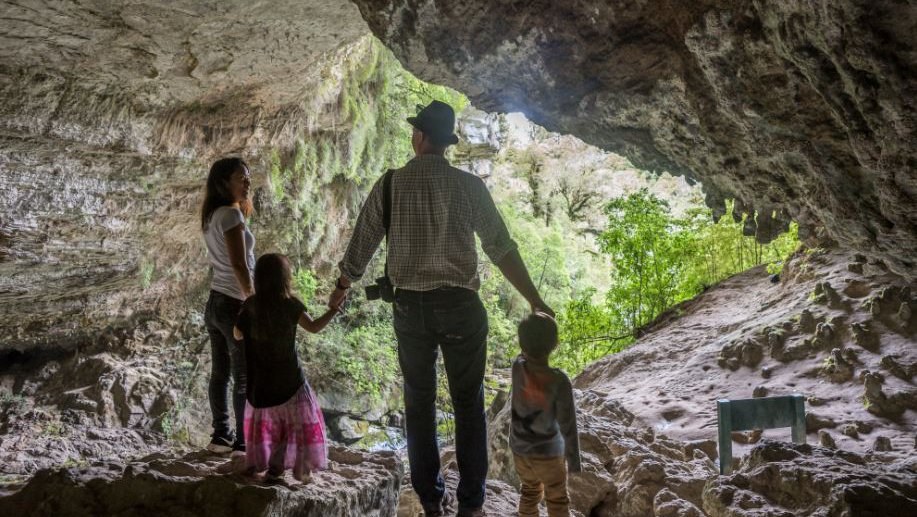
{"x": 339, "y": 295}
{"x": 540, "y": 306}
{"x": 339, "y": 308}
{"x": 337, "y": 298}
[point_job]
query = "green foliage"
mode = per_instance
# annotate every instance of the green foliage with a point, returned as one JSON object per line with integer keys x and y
{"x": 276, "y": 177}
{"x": 723, "y": 250}
{"x": 649, "y": 251}
{"x": 11, "y": 404}
{"x": 555, "y": 270}
{"x": 658, "y": 260}
{"x": 529, "y": 166}
{"x": 354, "y": 358}
{"x": 586, "y": 333}
{"x": 305, "y": 283}
{"x": 53, "y": 428}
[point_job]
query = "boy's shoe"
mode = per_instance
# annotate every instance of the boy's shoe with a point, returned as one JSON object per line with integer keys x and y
{"x": 220, "y": 444}
{"x": 467, "y": 512}
{"x": 238, "y": 449}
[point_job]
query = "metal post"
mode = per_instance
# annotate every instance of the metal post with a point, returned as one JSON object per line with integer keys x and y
{"x": 724, "y": 427}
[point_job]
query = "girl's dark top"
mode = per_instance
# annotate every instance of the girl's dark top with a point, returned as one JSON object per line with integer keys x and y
{"x": 274, "y": 374}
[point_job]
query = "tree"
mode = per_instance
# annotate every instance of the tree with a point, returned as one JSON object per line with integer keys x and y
{"x": 649, "y": 250}
{"x": 529, "y": 165}
{"x": 578, "y": 195}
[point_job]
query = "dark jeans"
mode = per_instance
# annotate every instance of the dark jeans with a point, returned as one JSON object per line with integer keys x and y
{"x": 228, "y": 360}
{"x": 454, "y": 320}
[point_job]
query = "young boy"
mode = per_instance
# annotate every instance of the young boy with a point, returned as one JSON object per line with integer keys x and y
{"x": 543, "y": 430}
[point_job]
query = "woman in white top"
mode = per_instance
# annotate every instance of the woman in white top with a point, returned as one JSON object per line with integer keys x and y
{"x": 231, "y": 249}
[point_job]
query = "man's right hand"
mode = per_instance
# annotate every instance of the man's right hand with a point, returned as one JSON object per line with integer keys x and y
{"x": 337, "y": 298}
{"x": 543, "y": 308}
{"x": 341, "y": 286}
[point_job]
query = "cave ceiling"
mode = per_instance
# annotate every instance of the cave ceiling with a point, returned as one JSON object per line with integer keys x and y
{"x": 798, "y": 110}
{"x": 89, "y": 70}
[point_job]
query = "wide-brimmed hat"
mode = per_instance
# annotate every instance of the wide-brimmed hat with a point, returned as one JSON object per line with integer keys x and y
{"x": 437, "y": 121}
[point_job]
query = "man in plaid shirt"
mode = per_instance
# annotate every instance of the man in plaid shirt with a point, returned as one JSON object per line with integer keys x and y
{"x": 436, "y": 210}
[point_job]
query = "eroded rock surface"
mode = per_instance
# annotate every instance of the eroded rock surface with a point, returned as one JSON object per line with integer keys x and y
{"x": 356, "y": 484}
{"x": 784, "y": 480}
{"x": 110, "y": 114}
{"x": 747, "y": 336}
{"x": 795, "y": 109}
{"x": 649, "y": 449}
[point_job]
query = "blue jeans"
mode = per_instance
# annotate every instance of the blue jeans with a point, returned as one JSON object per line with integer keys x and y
{"x": 454, "y": 320}
{"x": 227, "y": 361}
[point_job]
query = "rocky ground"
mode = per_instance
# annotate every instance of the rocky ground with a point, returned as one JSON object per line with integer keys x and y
{"x": 835, "y": 328}
{"x": 203, "y": 484}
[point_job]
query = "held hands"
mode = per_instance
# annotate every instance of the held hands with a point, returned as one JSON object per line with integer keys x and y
{"x": 339, "y": 295}
{"x": 337, "y": 300}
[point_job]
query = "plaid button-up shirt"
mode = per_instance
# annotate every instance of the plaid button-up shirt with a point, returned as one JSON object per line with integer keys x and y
{"x": 436, "y": 211}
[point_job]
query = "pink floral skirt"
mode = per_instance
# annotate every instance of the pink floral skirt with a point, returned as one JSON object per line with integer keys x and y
{"x": 288, "y": 436}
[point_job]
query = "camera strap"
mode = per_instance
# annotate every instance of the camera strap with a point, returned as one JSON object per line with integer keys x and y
{"x": 387, "y": 209}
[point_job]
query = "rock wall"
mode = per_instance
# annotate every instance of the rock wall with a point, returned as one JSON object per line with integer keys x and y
{"x": 110, "y": 115}
{"x": 99, "y": 232}
{"x": 799, "y": 110}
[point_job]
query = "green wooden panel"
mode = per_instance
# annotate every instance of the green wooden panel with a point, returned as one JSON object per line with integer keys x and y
{"x": 760, "y": 413}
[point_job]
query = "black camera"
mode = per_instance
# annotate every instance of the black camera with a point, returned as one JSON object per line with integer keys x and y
{"x": 383, "y": 290}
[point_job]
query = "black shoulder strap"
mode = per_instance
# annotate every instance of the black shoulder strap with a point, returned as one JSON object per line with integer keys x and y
{"x": 387, "y": 209}
{"x": 387, "y": 200}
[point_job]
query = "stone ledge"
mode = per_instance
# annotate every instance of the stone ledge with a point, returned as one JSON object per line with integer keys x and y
{"x": 356, "y": 483}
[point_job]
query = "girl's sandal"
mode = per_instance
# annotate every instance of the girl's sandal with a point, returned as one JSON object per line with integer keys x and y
{"x": 273, "y": 479}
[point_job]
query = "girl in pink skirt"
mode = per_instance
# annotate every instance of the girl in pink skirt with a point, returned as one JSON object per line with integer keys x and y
{"x": 284, "y": 427}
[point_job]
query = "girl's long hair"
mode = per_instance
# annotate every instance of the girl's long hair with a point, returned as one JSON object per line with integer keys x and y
{"x": 218, "y": 193}
{"x": 273, "y": 288}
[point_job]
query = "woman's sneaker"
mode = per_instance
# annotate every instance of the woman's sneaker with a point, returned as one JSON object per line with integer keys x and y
{"x": 220, "y": 444}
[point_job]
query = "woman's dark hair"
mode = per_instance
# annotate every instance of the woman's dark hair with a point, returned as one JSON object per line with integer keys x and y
{"x": 218, "y": 193}
{"x": 273, "y": 289}
{"x": 538, "y": 335}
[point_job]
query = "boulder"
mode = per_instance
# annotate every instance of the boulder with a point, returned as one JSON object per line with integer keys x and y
{"x": 889, "y": 405}
{"x": 789, "y": 480}
{"x": 837, "y": 368}
{"x": 864, "y": 336}
{"x": 347, "y": 430}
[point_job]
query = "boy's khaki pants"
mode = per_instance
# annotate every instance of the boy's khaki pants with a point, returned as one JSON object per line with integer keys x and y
{"x": 548, "y": 475}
